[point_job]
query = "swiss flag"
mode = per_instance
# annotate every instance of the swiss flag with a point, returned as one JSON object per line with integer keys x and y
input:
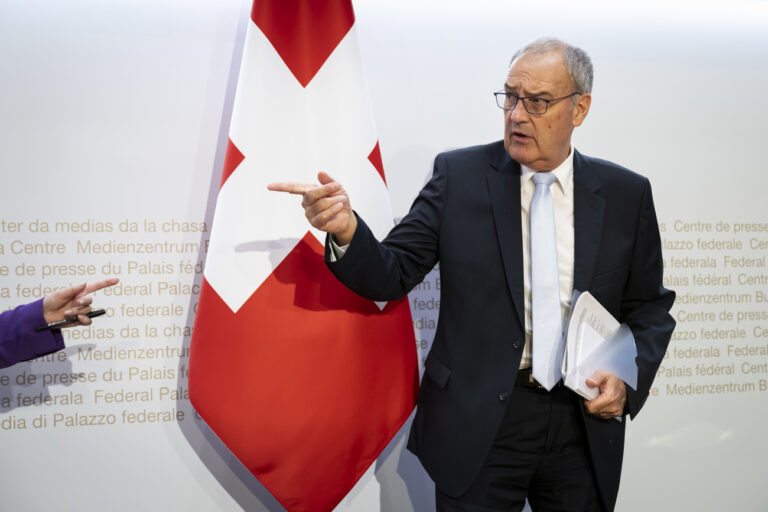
{"x": 304, "y": 381}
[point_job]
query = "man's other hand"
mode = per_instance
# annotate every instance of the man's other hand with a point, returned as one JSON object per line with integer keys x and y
{"x": 612, "y": 398}
{"x": 326, "y": 206}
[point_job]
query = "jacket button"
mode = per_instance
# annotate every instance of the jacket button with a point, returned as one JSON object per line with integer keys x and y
{"x": 503, "y": 396}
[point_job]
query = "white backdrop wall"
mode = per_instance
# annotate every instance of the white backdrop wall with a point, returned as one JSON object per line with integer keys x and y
{"x": 113, "y": 119}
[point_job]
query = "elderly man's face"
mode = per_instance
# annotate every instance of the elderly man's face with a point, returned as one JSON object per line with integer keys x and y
{"x": 542, "y": 142}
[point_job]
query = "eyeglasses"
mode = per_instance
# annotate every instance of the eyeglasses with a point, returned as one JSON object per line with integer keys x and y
{"x": 536, "y": 106}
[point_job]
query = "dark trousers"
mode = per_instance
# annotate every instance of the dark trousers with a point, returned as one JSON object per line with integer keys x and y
{"x": 539, "y": 454}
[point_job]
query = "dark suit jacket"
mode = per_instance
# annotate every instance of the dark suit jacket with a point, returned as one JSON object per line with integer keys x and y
{"x": 467, "y": 217}
{"x": 18, "y": 339}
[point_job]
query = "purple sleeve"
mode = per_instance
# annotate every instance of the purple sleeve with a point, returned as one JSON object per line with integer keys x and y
{"x": 18, "y": 339}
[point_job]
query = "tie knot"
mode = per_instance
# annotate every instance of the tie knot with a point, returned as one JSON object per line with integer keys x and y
{"x": 543, "y": 178}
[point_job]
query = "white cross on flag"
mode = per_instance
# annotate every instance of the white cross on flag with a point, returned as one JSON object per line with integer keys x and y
{"x": 304, "y": 381}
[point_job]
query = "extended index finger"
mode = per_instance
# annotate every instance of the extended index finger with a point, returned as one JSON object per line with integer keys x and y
{"x": 290, "y": 187}
{"x": 98, "y": 285}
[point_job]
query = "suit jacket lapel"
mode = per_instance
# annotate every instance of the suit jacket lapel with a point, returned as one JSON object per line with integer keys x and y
{"x": 504, "y": 190}
{"x": 588, "y": 209}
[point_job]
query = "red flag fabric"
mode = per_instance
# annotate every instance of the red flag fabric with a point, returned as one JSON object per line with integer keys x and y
{"x": 304, "y": 381}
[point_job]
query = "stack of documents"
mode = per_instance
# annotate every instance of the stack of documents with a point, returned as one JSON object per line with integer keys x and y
{"x": 596, "y": 341}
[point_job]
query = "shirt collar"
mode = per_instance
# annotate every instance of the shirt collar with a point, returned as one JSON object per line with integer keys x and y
{"x": 562, "y": 172}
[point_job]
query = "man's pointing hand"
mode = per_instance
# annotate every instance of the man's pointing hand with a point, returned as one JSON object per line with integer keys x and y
{"x": 326, "y": 206}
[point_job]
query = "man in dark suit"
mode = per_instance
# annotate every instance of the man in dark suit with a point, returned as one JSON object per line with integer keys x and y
{"x": 486, "y": 431}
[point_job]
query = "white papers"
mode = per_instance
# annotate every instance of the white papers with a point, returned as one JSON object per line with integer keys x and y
{"x": 596, "y": 341}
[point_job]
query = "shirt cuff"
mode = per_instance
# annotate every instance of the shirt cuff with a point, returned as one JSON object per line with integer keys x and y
{"x": 337, "y": 251}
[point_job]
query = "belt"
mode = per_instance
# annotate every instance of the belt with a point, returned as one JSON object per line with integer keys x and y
{"x": 525, "y": 380}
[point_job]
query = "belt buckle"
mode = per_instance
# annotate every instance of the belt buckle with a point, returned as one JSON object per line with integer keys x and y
{"x": 535, "y": 383}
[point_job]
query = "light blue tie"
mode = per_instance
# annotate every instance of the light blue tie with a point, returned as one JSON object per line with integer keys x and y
{"x": 545, "y": 286}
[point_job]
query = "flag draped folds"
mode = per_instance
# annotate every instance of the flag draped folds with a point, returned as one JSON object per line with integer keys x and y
{"x": 303, "y": 380}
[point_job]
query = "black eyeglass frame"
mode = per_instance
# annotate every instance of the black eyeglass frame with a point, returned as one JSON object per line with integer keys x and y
{"x": 505, "y": 95}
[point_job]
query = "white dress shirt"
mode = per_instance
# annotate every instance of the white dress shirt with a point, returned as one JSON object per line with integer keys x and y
{"x": 562, "y": 199}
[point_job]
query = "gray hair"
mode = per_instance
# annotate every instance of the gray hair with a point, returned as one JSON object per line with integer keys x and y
{"x": 578, "y": 65}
